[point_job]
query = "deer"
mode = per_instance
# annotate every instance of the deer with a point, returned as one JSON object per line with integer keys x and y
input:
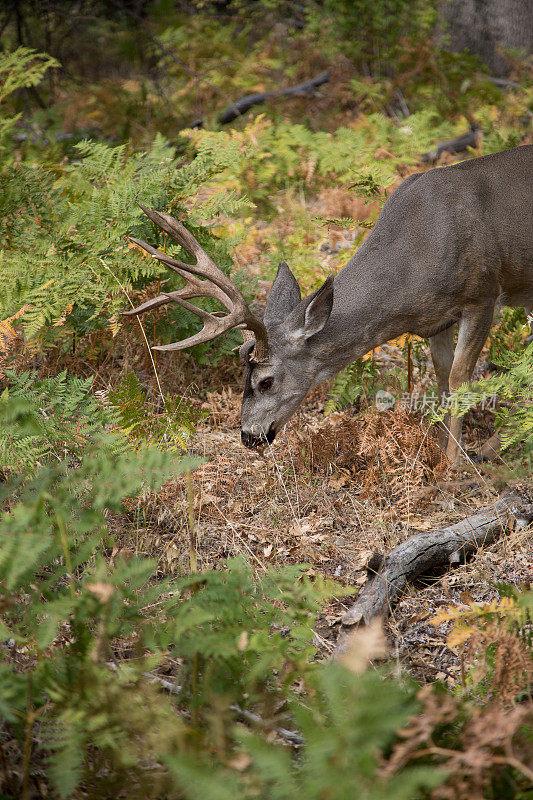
{"x": 449, "y": 246}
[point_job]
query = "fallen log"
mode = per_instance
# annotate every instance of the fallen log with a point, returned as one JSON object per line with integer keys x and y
{"x": 458, "y": 145}
{"x": 428, "y": 553}
{"x": 243, "y": 104}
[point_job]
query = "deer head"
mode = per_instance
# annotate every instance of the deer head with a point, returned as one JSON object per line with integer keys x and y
{"x": 280, "y": 365}
{"x": 274, "y": 389}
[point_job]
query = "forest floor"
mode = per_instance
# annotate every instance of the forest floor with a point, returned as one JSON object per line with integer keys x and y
{"x": 300, "y": 179}
{"x": 330, "y": 492}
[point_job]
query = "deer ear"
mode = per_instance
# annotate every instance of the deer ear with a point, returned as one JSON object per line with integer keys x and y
{"x": 313, "y": 312}
{"x": 284, "y": 296}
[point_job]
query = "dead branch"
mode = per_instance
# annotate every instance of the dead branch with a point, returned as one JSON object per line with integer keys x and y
{"x": 241, "y": 106}
{"x": 458, "y": 145}
{"x": 431, "y": 552}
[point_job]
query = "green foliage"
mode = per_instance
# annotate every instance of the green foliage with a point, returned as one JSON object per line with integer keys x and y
{"x": 356, "y": 380}
{"x": 514, "y": 386}
{"x": 63, "y": 229}
{"x": 67, "y": 260}
{"x": 281, "y": 153}
{"x": 66, "y": 608}
{"x": 508, "y": 334}
{"x": 49, "y": 421}
{"x": 346, "y": 727}
{"x": 367, "y": 187}
{"x": 242, "y": 645}
{"x": 453, "y": 84}
{"x": 55, "y": 583}
{"x": 235, "y": 650}
{"x": 372, "y": 33}
{"x": 170, "y": 428}
{"x": 115, "y": 681}
{"x": 19, "y": 69}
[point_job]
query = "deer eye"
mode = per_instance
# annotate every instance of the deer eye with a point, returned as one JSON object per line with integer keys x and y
{"x": 265, "y": 385}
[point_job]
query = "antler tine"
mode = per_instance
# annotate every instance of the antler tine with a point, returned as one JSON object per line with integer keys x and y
{"x": 187, "y": 293}
{"x": 213, "y": 327}
{"x": 216, "y": 285}
{"x": 205, "y": 266}
{"x": 186, "y": 271}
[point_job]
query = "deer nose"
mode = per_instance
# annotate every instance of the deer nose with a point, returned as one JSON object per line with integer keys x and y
{"x": 254, "y": 440}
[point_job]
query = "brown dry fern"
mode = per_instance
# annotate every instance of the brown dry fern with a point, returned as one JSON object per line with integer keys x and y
{"x": 388, "y": 453}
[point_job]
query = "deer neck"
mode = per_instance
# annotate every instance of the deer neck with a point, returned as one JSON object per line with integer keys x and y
{"x": 368, "y": 310}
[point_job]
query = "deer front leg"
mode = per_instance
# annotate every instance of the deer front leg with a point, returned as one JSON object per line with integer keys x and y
{"x": 474, "y": 328}
{"x": 441, "y": 346}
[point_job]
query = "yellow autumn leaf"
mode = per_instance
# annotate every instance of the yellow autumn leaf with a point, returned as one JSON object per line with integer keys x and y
{"x": 62, "y": 319}
{"x": 401, "y": 340}
{"x": 445, "y": 615}
{"x": 458, "y": 636}
{"x": 142, "y": 251}
{"x": 7, "y": 330}
{"x": 114, "y": 325}
{"x": 506, "y": 604}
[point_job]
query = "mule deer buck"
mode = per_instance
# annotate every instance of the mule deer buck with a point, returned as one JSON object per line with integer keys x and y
{"x": 448, "y": 246}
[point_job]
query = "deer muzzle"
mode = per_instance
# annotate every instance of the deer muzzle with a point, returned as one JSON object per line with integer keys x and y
{"x": 255, "y": 441}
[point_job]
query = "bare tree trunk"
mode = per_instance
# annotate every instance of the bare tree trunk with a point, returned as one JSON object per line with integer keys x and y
{"x": 489, "y": 27}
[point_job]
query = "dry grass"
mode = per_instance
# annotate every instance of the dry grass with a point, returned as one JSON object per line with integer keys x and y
{"x": 390, "y": 454}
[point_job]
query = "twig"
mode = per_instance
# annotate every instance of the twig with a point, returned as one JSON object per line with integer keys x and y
{"x": 8, "y": 776}
{"x": 192, "y": 536}
{"x": 249, "y": 716}
{"x": 255, "y": 719}
{"x": 458, "y": 145}
{"x": 30, "y": 719}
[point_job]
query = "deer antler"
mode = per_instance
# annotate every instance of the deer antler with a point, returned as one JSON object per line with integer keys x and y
{"x": 215, "y": 284}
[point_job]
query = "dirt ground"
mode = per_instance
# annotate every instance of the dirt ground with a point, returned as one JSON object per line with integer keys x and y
{"x": 329, "y": 493}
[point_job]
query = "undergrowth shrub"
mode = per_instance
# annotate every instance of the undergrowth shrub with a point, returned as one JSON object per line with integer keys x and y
{"x": 115, "y": 682}
{"x": 66, "y": 260}
{"x": 372, "y": 34}
{"x": 61, "y": 418}
{"x": 514, "y": 416}
{"x": 444, "y": 84}
{"x": 389, "y": 454}
{"x": 170, "y": 427}
{"x": 283, "y": 154}
{"x": 61, "y": 603}
{"x": 83, "y": 631}
{"x": 68, "y": 268}
{"x": 19, "y": 69}
{"x": 359, "y": 379}
{"x": 508, "y": 333}
{"x": 495, "y": 641}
